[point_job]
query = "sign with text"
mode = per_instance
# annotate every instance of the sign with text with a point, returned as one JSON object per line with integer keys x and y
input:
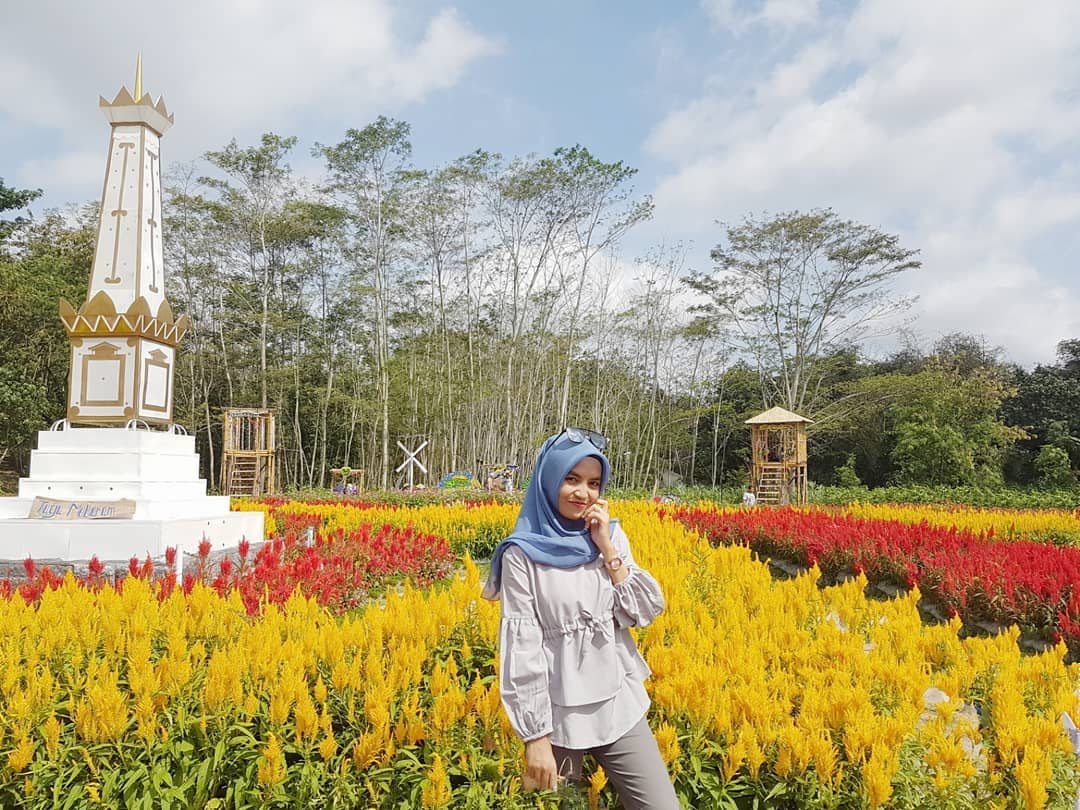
{"x": 55, "y": 509}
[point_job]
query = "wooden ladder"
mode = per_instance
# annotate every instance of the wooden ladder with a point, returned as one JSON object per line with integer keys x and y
{"x": 243, "y": 475}
{"x": 770, "y": 487}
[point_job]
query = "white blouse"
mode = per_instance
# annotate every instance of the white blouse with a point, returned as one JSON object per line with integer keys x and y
{"x": 569, "y": 667}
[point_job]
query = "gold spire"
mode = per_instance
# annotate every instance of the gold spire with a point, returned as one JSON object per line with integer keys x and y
{"x": 138, "y": 78}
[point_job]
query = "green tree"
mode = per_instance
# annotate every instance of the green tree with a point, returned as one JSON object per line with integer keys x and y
{"x": 250, "y": 209}
{"x": 23, "y": 410}
{"x": 948, "y": 429}
{"x": 1047, "y": 406}
{"x": 12, "y": 199}
{"x": 369, "y": 177}
{"x": 1068, "y": 352}
{"x": 603, "y": 208}
{"x": 52, "y": 261}
{"x": 1053, "y": 468}
{"x": 798, "y": 287}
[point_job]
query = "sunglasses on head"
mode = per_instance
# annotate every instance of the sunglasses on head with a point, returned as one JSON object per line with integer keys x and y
{"x": 577, "y": 434}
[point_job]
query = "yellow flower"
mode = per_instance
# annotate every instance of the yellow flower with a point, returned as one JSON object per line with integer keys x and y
{"x": 1033, "y": 775}
{"x": 306, "y": 717}
{"x": 948, "y": 756}
{"x": 752, "y": 751}
{"x": 877, "y": 775}
{"x": 667, "y": 738}
{"x": 365, "y": 748}
{"x": 51, "y": 731}
{"x": 436, "y": 789}
{"x": 272, "y": 763}
{"x": 328, "y": 747}
{"x": 280, "y": 705}
{"x": 597, "y": 781}
{"x": 102, "y": 715}
{"x": 223, "y": 688}
{"x": 22, "y": 755}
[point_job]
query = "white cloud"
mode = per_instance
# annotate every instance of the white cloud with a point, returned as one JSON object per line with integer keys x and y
{"x": 954, "y": 124}
{"x": 789, "y": 13}
{"x": 227, "y": 67}
{"x": 70, "y": 169}
{"x": 28, "y": 96}
{"x": 777, "y": 14}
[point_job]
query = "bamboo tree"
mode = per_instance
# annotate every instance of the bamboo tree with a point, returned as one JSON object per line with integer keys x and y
{"x": 367, "y": 174}
{"x": 250, "y": 204}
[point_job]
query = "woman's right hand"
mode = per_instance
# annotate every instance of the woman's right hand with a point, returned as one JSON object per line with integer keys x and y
{"x": 540, "y": 770}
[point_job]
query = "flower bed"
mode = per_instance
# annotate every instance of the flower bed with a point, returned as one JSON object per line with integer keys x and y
{"x": 340, "y": 568}
{"x": 775, "y": 693}
{"x": 1025, "y": 583}
{"x": 994, "y": 498}
{"x": 1057, "y": 526}
{"x": 469, "y": 527}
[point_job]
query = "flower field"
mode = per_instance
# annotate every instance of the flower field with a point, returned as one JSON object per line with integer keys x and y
{"x": 468, "y": 528}
{"x": 340, "y": 569}
{"x": 1021, "y": 582}
{"x": 156, "y": 694}
{"x": 1058, "y": 526}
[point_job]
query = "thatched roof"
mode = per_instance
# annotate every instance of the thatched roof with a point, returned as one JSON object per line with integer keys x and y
{"x": 777, "y": 416}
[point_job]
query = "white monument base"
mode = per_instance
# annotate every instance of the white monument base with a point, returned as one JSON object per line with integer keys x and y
{"x": 158, "y": 471}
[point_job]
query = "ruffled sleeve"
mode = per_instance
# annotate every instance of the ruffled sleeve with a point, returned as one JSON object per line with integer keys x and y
{"x": 523, "y": 678}
{"x": 638, "y": 599}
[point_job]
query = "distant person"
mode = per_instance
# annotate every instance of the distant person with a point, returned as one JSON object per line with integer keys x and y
{"x": 571, "y": 677}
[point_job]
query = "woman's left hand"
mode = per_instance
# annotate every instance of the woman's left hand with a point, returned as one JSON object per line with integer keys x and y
{"x": 598, "y": 522}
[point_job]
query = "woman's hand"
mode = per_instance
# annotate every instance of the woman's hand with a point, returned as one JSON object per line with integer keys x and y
{"x": 540, "y": 770}
{"x": 598, "y": 522}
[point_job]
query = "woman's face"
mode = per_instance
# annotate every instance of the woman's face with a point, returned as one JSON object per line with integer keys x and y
{"x": 580, "y": 488}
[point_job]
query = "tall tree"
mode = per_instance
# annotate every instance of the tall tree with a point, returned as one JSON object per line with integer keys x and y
{"x": 368, "y": 174}
{"x": 42, "y": 262}
{"x": 12, "y": 199}
{"x": 948, "y": 427}
{"x": 799, "y": 286}
{"x": 195, "y": 257}
{"x": 530, "y": 210}
{"x": 250, "y": 207}
{"x": 603, "y": 208}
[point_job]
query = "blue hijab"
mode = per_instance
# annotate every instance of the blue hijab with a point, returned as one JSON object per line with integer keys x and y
{"x": 541, "y": 532}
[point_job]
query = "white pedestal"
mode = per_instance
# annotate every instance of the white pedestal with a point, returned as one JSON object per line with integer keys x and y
{"x": 159, "y": 471}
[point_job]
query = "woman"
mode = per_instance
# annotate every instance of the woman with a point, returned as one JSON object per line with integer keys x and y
{"x": 570, "y": 674}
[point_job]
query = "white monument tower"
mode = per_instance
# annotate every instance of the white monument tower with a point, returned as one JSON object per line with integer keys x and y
{"x": 123, "y": 339}
{"x": 119, "y": 489}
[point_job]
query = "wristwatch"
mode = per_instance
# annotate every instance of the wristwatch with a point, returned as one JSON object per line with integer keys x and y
{"x": 614, "y": 564}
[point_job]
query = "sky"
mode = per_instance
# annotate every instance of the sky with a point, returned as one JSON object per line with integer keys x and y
{"x": 955, "y": 125}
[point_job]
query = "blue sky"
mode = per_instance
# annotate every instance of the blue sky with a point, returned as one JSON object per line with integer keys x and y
{"x": 956, "y": 125}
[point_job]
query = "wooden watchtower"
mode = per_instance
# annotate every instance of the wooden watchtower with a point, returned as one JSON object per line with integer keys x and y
{"x": 778, "y": 461}
{"x": 247, "y": 461}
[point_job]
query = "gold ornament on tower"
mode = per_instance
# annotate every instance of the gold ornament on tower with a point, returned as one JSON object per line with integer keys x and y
{"x": 124, "y": 337}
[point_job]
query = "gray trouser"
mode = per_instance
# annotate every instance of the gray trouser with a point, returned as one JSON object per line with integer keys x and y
{"x": 633, "y": 766}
